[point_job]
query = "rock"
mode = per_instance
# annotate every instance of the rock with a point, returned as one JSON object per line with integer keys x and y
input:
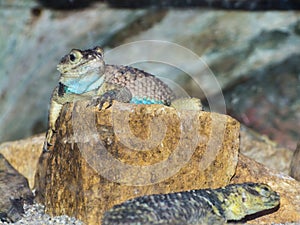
{"x": 295, "y": 164}
{"x": 100, "y": 159}
{"x": 249, "y": 170}
{"x": 263, "y": 150}
{"x": 254, "y": 43}
{"x": 271, "y": 103}
{"x": 66, "y": 4}
{"x": 14, "y": 192}
{"x": 24, "y": 154}
{"x": 257, "y": 45}
{"x": 231, "y": 4}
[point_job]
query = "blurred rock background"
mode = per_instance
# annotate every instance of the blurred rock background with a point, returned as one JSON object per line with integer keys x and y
{"x": 252, "y": 48}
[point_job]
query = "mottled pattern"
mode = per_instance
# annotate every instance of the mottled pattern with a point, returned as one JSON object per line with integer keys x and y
{"x": 143, "y": 87}
{"x": 207, "y": 206}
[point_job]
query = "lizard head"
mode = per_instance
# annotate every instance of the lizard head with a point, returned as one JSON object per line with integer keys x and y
{"x": 244, "y": 199}
{"x": 80, "y": 69}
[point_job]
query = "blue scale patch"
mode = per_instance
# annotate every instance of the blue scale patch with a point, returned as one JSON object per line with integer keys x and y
{"x": 145, "y": 101}
{"x": 66, "y": 90}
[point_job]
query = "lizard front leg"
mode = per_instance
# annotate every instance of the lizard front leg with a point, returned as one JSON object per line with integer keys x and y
{"x": 54, "y": 112}
{"x": 104, "y": 100}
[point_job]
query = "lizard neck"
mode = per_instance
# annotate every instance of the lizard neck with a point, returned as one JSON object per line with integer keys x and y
{"x": 231, "y": 203}
{"x": 62, "y": 89}
{"x": 81, "y": 85}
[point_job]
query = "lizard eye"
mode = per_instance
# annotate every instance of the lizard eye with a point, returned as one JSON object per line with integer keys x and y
{"x": 75, "y": 56}
{"x": 265, "y": 191}
{"x": 72, "y": 57}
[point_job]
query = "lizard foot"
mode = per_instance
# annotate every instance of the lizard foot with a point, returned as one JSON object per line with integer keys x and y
{"x": 49, "y": 138}
{"x": 104, "y": 101}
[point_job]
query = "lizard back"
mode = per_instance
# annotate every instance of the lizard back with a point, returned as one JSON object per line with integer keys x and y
{"x": 144, "y": 87}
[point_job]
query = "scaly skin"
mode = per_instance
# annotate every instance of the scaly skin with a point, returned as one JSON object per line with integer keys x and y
{"x": 84, "y": 75}
{"x": 206, "y": 206}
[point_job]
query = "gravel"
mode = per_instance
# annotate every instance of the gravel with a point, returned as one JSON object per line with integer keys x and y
{"x": 35, "y": 215}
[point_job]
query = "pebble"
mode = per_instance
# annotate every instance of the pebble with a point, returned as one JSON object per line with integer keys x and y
{"x": 35, "y": 214}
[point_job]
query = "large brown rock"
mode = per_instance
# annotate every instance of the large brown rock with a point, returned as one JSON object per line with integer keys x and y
{"x": 249, "y": 170}
{"x": 101, "y": 158}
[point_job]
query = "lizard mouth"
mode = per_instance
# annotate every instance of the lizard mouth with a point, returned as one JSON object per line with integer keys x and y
{"x": 80, "y": 68}
{"x": 69, "y": 74}
{"x": 274, "y": 200}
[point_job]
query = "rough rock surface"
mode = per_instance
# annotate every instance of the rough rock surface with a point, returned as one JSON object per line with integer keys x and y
{"x": 14, "y": 192}
{"x": 23, "y": 155}
{"x": 271, "y": 103}
{"x": 288, "y": 189}
{"x": 295, "y": 164}
{"x": 263, "y": 150}
{"x": 180, "y": 151}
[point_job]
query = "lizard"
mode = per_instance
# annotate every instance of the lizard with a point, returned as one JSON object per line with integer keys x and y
{"x": 85, "y": 75}
{"x": 194, "y": 207}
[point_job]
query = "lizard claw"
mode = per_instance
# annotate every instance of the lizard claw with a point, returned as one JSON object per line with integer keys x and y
{"x": 48, "y": 139}
{"x": 46, "y": 145}
{"x": 104, "y": 101}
